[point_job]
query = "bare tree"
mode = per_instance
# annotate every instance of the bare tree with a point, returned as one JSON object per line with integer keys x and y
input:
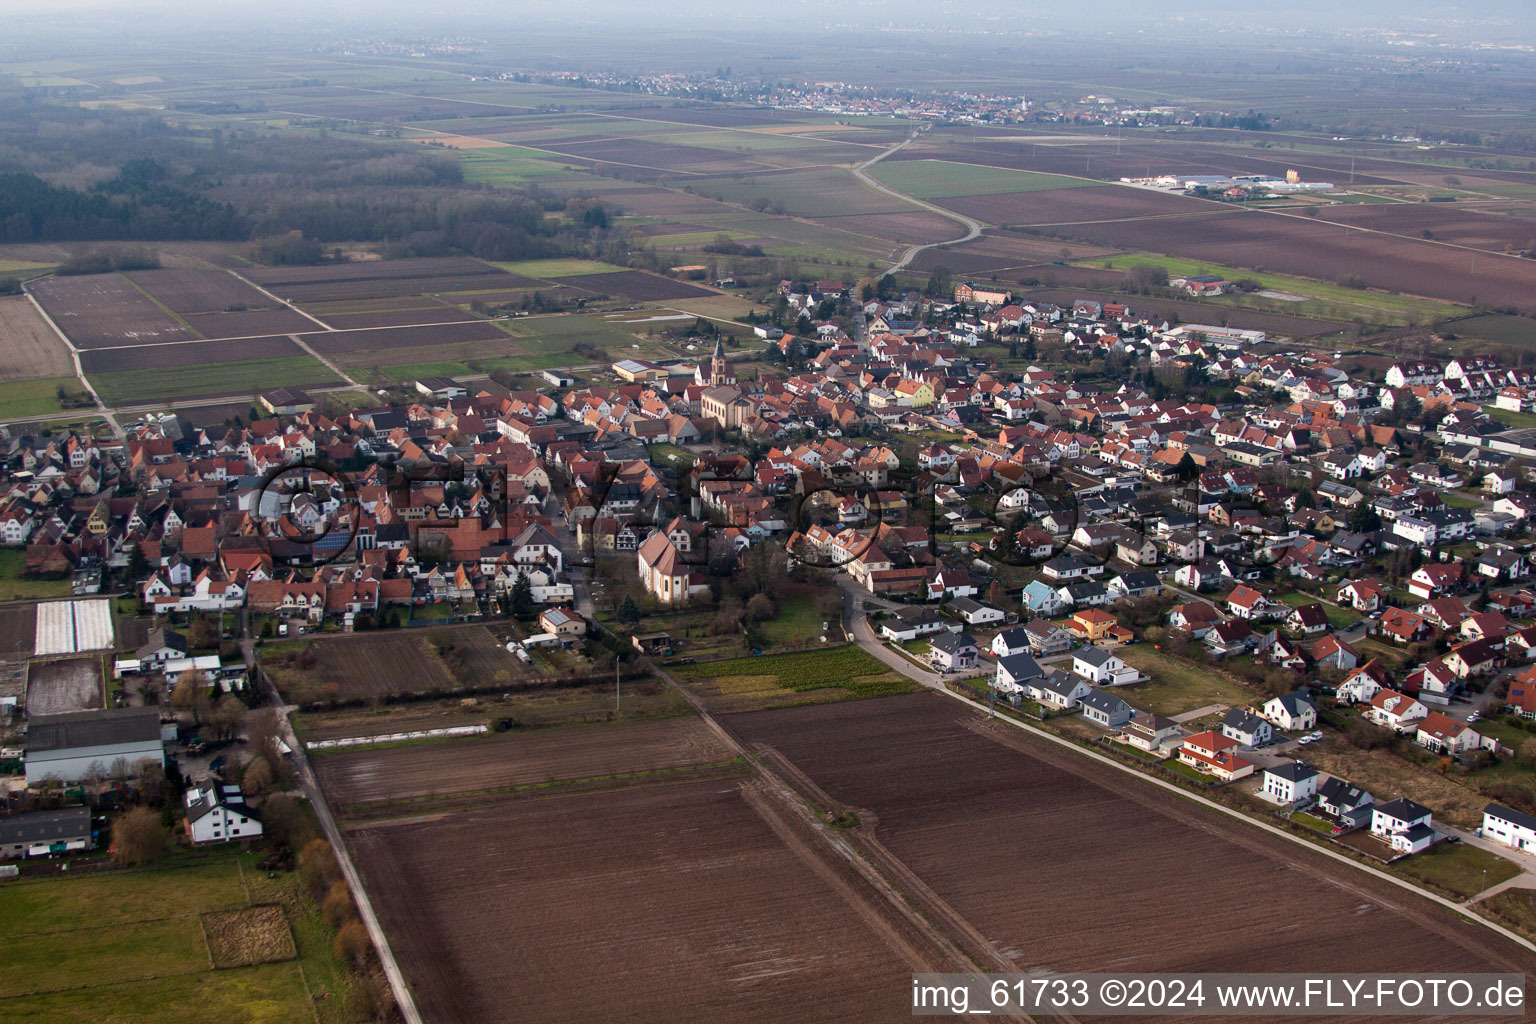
{"x": 137, "y": 837}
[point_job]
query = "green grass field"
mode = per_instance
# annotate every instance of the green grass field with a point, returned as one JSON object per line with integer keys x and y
{"x": 36, "y": 397}
{"x": 1457, "y": 868}
{"x": 1176, "y": 685}
{"x": 401, "y": 372}
{"x": 1509, "y": 418}
{"x": 1495, "y": 327}
{"x": 797, "y": 618}
{"x": 814, "y": 192}
{"x": 943, "y": 179}
{"x": 128, "y": 947}
{"x": 847, "y": 668}
{"x": 1328, "y": 300}
{"x": 14, "y": 587}
{"x": 545, "y": 269}
{"x": 246, "y": 377}
{"x": 509, "y": 166}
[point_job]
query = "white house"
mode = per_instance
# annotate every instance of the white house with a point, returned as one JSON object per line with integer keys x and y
{"x": 1405, "y": 825}
{"x": 217, "y": 814}
{"x": 1247, "y": 728}
{"x": 1290, "y": 782}
{"x": 1510, "y": 827}
{"x": 1105, "y": 709}
{"x": 1102, "y": 667}
{"x": 1010, "y": 641}
{"x": 1443, "y": 734}
{"x": 1014, "y": 671}
{"x": 1291, "y": 711}
{"x": 952, "y": 652}
{"x": 1395, "y": 710}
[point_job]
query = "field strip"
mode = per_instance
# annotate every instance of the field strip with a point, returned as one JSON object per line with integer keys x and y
{"x": 726, "y": 128}
{"x": 1476, "y": 252}
{"x": 167, "y": 310}
{"x": 74, "y": 354}
{"x": 89, "y": 986}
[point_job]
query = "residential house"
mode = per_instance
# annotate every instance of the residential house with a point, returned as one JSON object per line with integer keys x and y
{"x": 1396, "y": 711}
{"x": 1105, "y": 709}
{"x": 1290, "y": 782}
{"x": 1014, "y": 672}
{"x": 953, "y": 652}
{"x": 216, "y": 813}
{"x": 1215, "y": 754}
{"x": 1292, "y": 712}
{"x": 1443, "y": 734}
{"x": 1512, "y": 828}
{"x": 1247, "y": 728}
{"x": 1150, "y": 732}
{"x": 1406, "y": 826}
{"x": 1102, "y": 667}
{"x": 1339, "y": 798}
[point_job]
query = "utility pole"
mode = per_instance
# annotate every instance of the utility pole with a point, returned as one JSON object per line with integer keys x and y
{"x": 618, "y": 698}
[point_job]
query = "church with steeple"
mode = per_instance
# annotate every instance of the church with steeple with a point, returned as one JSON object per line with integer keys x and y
{"x": 719, "y": 374}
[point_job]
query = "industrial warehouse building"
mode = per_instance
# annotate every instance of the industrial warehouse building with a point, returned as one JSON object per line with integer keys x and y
{"x": 64, "y": 747}
{"x": 40, "y": 833}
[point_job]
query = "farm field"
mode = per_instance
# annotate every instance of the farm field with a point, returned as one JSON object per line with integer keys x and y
{"x": 241, "y": 377}
{"x": 369, "y": 339}
{"x": 41, "y": 397}
{"x": 942, "y": 179}
{"x": 683, "y": 902}
{"x": 918, "y": 226}
{"x": 29, "y": 348}
{"x": 199, "y": 291}
{"x": 505, "y": 762}
{"x": 1177, "y": 685}
{"x": 193, "y": 353}
{"x": 255, "y": 322}
{"x": 1069, "y": 205}
{"x": 362, "y": 665}
{"x": 107, "y": 309}
{"x": 772, "y": 680}
{"x": 816, "y": 192}
{"x": 1321, "y": 251}
{"x": 72, "y": 684}
{"x": 18, "y": 622}
{"x": 636, "y": 285}
{"x": 968, "y": 806}
{"x": 1494, "y": 327}
{"x": 1496, "y": 227}
{"x": 129, "y": 947}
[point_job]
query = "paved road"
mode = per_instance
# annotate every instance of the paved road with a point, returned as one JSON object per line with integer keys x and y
{"x": 972, "y": 227}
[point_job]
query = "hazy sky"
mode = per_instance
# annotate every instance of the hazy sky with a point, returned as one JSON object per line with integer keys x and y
{"x": 1416, "y": 15}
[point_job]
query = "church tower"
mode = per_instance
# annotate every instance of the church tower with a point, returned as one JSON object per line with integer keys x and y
{"x": 718, "y": 375}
